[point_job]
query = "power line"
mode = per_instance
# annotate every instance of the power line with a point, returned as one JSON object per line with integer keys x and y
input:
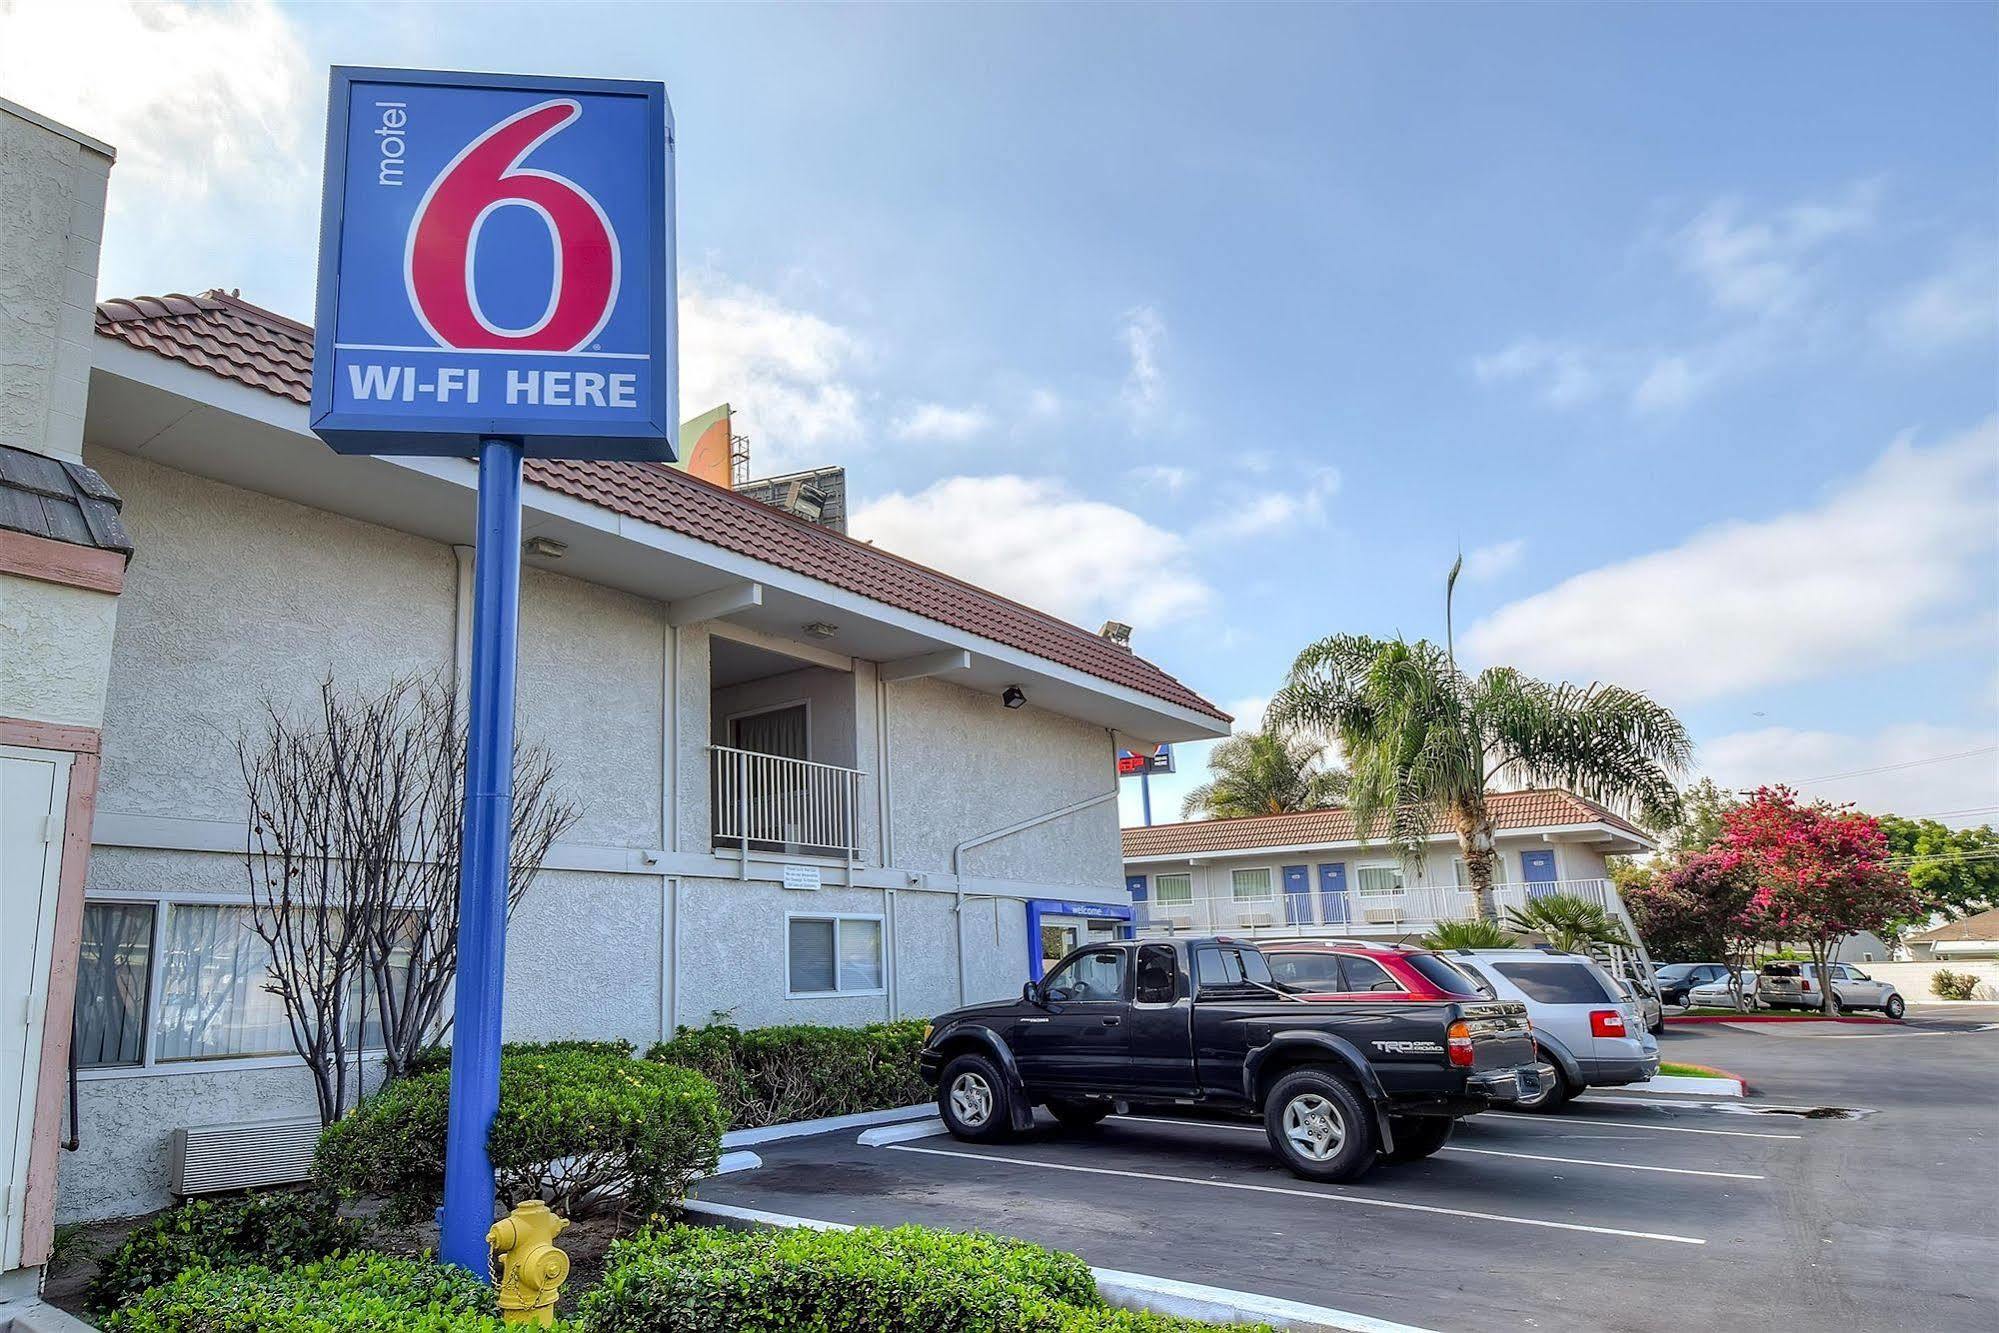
{"x": 1911, "y": 763}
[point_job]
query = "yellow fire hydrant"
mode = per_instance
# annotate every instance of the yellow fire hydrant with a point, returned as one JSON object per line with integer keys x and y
{"x": 531, "y": 1268}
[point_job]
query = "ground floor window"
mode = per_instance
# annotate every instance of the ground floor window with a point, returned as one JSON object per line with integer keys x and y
{"x": 833, "y": 955}
{"x": 1173, "y": 890}
{"x": 1250, "y": 885}
{"x": 165, "y": 982}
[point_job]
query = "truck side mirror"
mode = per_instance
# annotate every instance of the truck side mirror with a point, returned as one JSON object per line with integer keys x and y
{"x": 1031, "y": 994}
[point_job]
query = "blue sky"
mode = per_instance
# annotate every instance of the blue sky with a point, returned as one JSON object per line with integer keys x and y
{"x": 1236, "y": 324}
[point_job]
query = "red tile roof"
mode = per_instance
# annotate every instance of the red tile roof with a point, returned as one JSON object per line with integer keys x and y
{"x": 1541, "y": 808}
{"x": 228, "y": 336}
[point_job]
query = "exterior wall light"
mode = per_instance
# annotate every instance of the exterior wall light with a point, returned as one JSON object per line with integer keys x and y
{"x": 548, "y": 548}
{"x": 819, "y": 629}
{"x": 1015, "y": 697}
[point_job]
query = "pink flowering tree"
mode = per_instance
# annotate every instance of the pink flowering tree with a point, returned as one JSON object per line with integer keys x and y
{"x": 1818, "y": 873}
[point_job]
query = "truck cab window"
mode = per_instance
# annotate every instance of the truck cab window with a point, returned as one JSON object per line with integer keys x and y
{"x": 1158, "y": 976}
{"x": 1095, "y": 975}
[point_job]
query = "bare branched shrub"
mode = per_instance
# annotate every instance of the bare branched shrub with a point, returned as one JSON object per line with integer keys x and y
{"x": 356, "y": 823}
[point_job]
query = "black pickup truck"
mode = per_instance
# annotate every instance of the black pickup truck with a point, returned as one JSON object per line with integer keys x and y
{"x": 1197, "y": 1027}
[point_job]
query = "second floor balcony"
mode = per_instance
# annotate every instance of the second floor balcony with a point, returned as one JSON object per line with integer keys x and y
{"x": 788, "y": 807}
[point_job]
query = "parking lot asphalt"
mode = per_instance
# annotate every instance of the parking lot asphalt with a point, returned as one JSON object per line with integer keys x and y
{"x": 1620, "y": 1212}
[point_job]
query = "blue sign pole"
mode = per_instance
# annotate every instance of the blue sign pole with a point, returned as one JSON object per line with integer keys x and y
{"x": 482, "y": 912}
{"x": 1145, "y": 794}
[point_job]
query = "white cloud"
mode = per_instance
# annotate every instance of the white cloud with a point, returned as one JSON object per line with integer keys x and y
{"x": 1760, "y": 267}
{"x": 1758, "y": 274}
{"x": 1489, "y": 562}
{"x": 935, "y": 422}
{"x": 1958, "y": 304}
{"x": 1033, "y": 539}
{"x": 1043, "y": 404}
{"x": 1884, "y": 568}
{"x": 1265, "y": 511}
{"x": 784, "y": 371}
{"x": 214, "y": 111}
{"x": 1247, "y": 711}
{"x": 1564, "y": 374}
{"x": 1164, "y": 476}
{"x": 1144, "y": 333}
{"x": 1962, "y": 789}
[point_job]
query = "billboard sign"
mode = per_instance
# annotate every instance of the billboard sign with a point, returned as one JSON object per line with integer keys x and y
{"x": 496, "y": 261}
{"x": 1131, "y": 765}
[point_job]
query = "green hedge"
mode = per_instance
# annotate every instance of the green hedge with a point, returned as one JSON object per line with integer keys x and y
{"x": 573, "y": 1122}
{"x": 439, "y": 1057}
{"x": 280, "y": 1227}
{"x": 907, "y": 1280}
{"x": 362, "y": 1291}
{"x": 770, "y": 1076}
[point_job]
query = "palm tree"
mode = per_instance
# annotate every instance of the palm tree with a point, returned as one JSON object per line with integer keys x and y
{"x": 1423, "y": 740}
{"x": 1469, "y": 935}
{"x": 1266, "y": 773}
{"x": 1568, "y": 921}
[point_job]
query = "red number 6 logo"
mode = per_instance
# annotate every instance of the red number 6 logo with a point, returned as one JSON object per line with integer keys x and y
{"x": 444, "y": 238}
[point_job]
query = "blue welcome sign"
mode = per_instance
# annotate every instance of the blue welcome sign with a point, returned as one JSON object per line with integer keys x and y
{"x": 496, "y": 261}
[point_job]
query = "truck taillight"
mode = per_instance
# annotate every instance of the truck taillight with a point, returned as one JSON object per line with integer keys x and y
{"x": 1805, "y": 984}
{"x": 1457, "y": 1041}
{"x": 1606, "y": 1023}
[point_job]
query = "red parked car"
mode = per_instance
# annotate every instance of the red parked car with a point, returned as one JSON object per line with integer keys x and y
{"x": 1344, "y": 969}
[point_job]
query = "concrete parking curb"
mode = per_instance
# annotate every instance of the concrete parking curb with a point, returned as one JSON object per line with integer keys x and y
{"x": 1676, "y": 1083}
{"x": 914, "y": 1129}
{"x": 799, "y": 1129}
{"x": 1132, "y": 1291}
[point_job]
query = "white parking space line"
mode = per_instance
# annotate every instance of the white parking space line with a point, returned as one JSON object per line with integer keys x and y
{"x": 1615, "y": 1166}
{"x": 1489, "y": 1152}
{"x": 1557, "y": 1121}
{"x": 1323, "y": 1197}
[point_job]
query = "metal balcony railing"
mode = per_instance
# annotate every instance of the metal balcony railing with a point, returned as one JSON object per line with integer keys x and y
{"x": 764, "y": 803}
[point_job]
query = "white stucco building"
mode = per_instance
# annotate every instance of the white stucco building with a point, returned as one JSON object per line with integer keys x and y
{"x": 1313, "y": 874}
{"x": 741, "y": 703}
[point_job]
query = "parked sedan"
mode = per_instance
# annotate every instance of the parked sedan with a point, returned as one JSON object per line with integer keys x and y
{"x": 1677, "y": 979}
{"x": 1796, "y": 986}
{"x": 1584, "y": 1024}
{"x": 1719, "y": 994}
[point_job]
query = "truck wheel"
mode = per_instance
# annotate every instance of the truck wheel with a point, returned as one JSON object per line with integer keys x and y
{"x": 1079, "y": 1115}
{"x": 1319, "y": 1126}
{"x": 1551, "y": 1097}
{"x": 972, "y": 1099}
{"x": 1418, "y": 1136}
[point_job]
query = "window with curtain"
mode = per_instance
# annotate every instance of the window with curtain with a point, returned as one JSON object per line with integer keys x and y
{"x": 780, "y": 732}
{"x": 1173, "y": 890}
{"x": 834, "y": 955}
{"x": 1381, "y": 880}
{"x": 114, "y": 976}
{"x": 1250, "y": 884}
{"x": 215, "y": 979}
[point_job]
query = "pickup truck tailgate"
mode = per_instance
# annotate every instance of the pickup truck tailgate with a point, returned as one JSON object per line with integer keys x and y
{"x": 1500, "y": 1034}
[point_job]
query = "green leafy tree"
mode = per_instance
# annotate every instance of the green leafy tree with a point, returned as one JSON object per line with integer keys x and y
{"x": 1425, "y": 741}
{"x": 1568, "y": 921}
{"x": 1697, "y": 824}
{"x": 1470, "y": 935}
{"x": 1954, "y": 872}
{"x": 1266, "y": 773}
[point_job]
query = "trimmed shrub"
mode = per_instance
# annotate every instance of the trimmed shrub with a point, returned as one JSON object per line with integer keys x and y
{"x": 361, "y": 1291}
{"x": 277, "y": 1227}
{"x": 589, "y": 1130}
{"x": 774, "y": 1075}
{"x": 1950, "y": 985}
{"x": 870, "y": 1280}
{"x": 434, "y": 1058}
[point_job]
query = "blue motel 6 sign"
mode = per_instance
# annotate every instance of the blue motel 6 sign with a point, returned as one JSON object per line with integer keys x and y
{"x": 496, "y": 260}
{"x": 495, "y": 282}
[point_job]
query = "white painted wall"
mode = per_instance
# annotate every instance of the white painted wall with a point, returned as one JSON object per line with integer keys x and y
{"x": 55, "y": 644}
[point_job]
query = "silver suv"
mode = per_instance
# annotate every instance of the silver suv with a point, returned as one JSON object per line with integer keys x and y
{"x": 1795, "y": 986}
{"x": 1585, "y": 1025}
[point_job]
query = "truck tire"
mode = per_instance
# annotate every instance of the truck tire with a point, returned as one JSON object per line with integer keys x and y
{"x": 1418, "y": 1136}
{"x": 972, "y": 1100}
{"x": 1319, "y": 1126}
{"x": 1079, "y": 1115}
{"x": 1553, "y": 1098}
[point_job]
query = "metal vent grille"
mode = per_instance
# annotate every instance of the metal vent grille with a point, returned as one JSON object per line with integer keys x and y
{"x": 211, "y": 1158}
